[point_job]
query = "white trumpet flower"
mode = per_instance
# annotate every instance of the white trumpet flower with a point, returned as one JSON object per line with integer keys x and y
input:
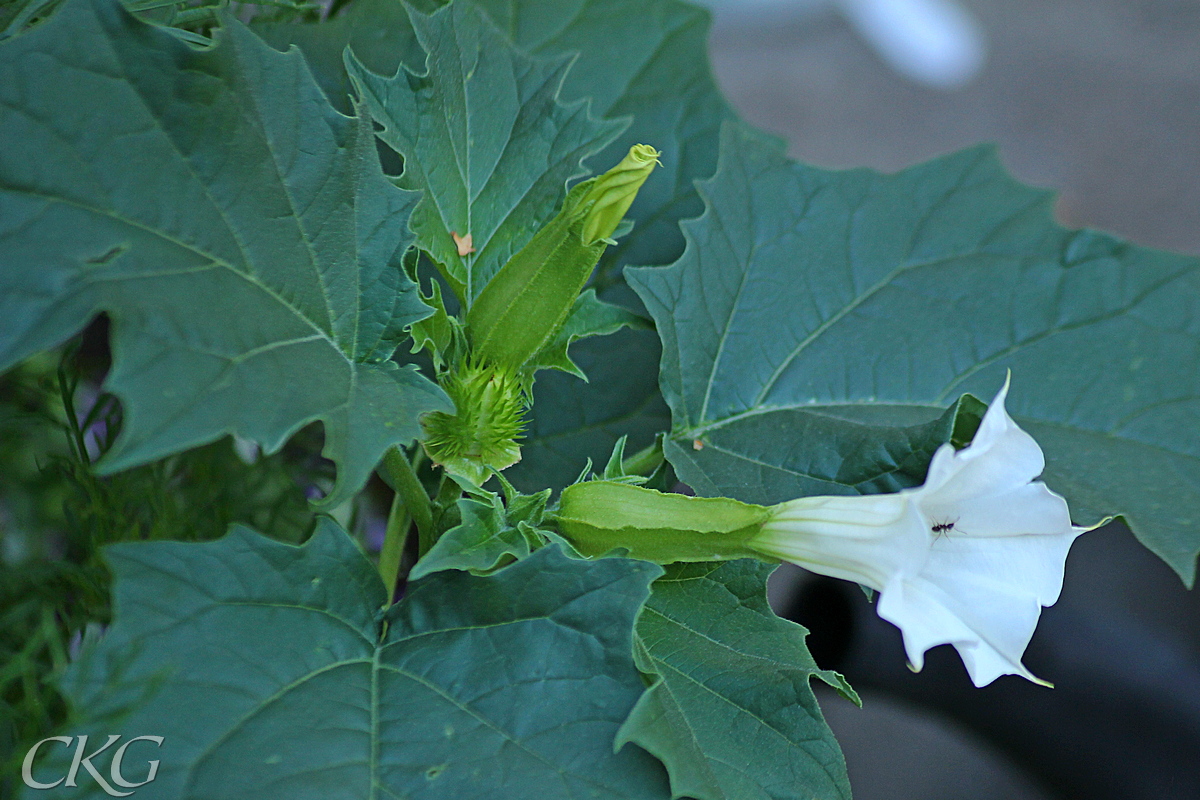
{"x": 968, "y": 559}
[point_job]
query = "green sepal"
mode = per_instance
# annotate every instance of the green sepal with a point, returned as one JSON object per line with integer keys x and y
{"x": 589, "y": 316}
{"x": 637, "y": 469}
{"x": 521, "y": 309}
{"x": 614, "y": 470}
{"x": 597, "y": 517}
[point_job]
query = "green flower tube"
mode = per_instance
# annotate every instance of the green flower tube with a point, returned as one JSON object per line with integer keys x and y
{"x": 523, "y": 306}
{"x": 600, "y": 516}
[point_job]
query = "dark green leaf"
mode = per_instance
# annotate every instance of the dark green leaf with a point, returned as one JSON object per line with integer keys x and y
{"x": 573, "y": 421}
{"x": 488, "y": 535}
{"x": 485, "y": 138}
{"x": 265, "y": 668}
{"x": 236, "y": 228}
{"x": 789, "y": 452}
{"x": 731, "y": 713}
{"x": 589, "y": 316}
{"x": 641, "y": 58}
{"x": 377, "y": 30}
{"x": 647, "y": 59}
{"x": 832, "y": 297}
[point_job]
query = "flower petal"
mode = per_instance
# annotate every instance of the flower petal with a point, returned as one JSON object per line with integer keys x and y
{"x": 1028, "y": 509}
{"x": 984, "y": 595}
{"x": 1000, "y": 457}
{"x": 988, "y": 628}
{"x": 864, "y": 539}
{"x": 968, "y": 559}
{"x": 981, "y": 569}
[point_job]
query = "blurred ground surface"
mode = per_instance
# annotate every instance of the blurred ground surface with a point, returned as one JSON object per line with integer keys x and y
{"x": 1097, "y": 99}
{"x": 894, "y": 752}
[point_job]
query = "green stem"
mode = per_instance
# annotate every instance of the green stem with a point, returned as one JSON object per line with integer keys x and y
{"x": 410, "y": 491}
{"x": 66, "y": 390}
{"x": 644, "y": 461}
{"x": 398, "y": 524}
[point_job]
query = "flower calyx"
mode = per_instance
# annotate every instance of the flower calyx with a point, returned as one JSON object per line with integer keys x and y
{"x": 524, "y": 305}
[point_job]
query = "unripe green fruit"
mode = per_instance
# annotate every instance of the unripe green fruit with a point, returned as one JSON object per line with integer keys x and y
{"x": 482, "y": 433}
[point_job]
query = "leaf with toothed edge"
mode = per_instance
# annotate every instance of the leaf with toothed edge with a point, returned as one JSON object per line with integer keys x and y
{"x": 378, "y": 31}
{"x": 640, "y": 58}
{"x": 646, "y": 59}
{"x": 813, "y": 308}
{"x": 589, "y": 316}
{"x": 484, "y": 136}
{"x": 237, "y": 229}
{"x": 488, "y": 536}
{"x": 270, "y": 672}
{"x": 573, "y": 421}
{"x": 731, "y": 712}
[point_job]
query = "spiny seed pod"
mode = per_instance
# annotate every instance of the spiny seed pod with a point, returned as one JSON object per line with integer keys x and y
{"x": 482, "y": 433}
{"x": 599, "y": 516}
{"x": 523, "y": 306}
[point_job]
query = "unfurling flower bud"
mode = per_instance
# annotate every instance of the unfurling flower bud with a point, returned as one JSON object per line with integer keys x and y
{"x": 524, "y": 305}
{"x": 611, "y": 195}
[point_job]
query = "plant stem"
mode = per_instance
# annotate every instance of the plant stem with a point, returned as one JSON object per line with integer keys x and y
{"x": 398, "y": 523}
{"x": 644, "y": 461}
{"x": 412, "y": 494}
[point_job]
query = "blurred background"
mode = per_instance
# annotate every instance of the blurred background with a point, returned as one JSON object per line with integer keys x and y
{"x": 1100, "y": 101}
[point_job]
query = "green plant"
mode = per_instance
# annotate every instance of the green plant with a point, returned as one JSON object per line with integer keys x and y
{"x": 363, "y": 242}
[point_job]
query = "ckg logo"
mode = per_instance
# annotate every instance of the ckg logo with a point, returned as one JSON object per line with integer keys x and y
{"x": 79, "y": 760}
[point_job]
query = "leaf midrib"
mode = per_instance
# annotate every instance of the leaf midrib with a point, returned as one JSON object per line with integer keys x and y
{"x": 809, "y": 408}
{"x": 728, "y": 701}
{"x": 286, "y": 189}
{"x": 1113, "y": 313}
{"x": 213, "y": 261}
{"x": 377, "y": 666}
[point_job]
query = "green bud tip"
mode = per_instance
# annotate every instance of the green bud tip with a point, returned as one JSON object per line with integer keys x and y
{"x": 482, "y": 433}
{"x": 611, "y": 195}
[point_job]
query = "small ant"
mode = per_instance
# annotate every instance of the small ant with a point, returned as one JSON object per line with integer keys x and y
{"x": 942, "y": 528}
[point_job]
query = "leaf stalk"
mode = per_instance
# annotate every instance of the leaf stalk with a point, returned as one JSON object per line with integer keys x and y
{"x": 394, "y": 539}
{"x": 413, "y": 497}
